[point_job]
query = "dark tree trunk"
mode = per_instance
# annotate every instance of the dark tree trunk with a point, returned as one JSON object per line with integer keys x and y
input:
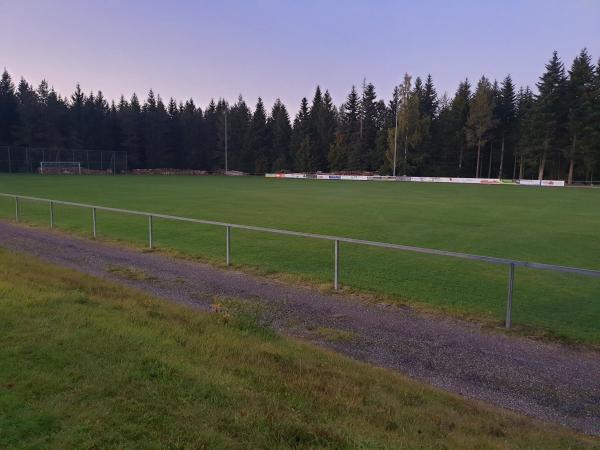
{"x": 501, "y": 160}
{"x": 478, "y": 159}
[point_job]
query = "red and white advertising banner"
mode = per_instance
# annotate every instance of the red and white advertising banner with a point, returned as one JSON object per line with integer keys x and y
{"x": 286, "y": 175}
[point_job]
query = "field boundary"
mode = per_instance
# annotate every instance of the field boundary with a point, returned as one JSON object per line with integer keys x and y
{"x": 405, "y": 178}
{"x": 512, "y": 264}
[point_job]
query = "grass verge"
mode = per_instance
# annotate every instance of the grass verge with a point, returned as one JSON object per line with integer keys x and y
{"x": 88, "y": 364}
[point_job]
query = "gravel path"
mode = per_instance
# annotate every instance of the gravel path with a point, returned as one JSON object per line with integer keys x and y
{"x": 551, "y": 382}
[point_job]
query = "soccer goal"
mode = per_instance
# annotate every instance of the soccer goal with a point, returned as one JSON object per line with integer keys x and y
{"x": 60, "y": 168}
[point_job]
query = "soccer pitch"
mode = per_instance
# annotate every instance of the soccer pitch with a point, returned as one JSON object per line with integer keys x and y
{"x": 557, "y": 226}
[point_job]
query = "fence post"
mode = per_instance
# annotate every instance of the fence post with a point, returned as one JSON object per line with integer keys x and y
{"x": 94, "y": 222}
{"x": 336, "y": 264}
{"x": 150, "y": 231}
{"x": 511, "y": 283}
{"x": 228, "y": 244}
{"x": 17, "y": 208}
{"x": 51, "y": 214}
{"x": 9, "y": 161}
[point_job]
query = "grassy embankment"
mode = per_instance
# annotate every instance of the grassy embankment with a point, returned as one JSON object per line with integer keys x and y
{"x": 88, "y": 364}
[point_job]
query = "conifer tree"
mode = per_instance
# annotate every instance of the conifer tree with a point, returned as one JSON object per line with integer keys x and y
{"x": 368, "y": 158}
{"x": 130, "y": 120}
{"x": 9, "y": 116}
{"x": 506, "y": 116}
{"x": 429, "y": 103}
{"x": 302, "y": 145}
{"x": 28, "y": 109}
{"x": 319, "y": 157}
{"x": 192, "y": 146}
{"x": 210, "y": 134}
{"x": 155, "y": 120}
{"x": 458, "y": 116}
{"x": 443, "y": 140}
{"x": 280, "y": 132}
{"x": 216, "y": 154}
{"x": 581, "y": 123}
{"x": 350, "y": 125}
{"x": 481, "y": 119}
{"x": 525, "y": 130}
{"x": 257, "y": 146}
{"x": 238, "y": 121}
{"x": 326, "y": 126}
{"x": 173, "y": 150}
{"x": 550, "y": 114}
{"x": 411, "y": 126}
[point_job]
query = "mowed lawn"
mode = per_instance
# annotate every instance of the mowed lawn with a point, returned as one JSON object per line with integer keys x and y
{"x": 552, "y": 225}
{"x": 87, "y": 364}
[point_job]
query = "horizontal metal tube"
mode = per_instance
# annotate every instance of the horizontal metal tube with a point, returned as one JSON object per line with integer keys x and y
{"x": 408, "y": 248}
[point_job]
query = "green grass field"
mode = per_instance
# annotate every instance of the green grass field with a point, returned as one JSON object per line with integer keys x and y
{"x": 87, "y": 364}
{"x": 559, "y": 226}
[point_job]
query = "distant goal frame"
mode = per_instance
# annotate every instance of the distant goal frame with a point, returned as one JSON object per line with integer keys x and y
{"x": 59, "y": 167}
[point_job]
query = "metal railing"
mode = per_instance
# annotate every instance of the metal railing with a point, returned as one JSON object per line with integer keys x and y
{"x": 511, "y": 263}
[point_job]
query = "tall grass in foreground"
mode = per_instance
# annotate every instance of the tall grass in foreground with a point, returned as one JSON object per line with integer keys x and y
{"x": 88, "y": 364}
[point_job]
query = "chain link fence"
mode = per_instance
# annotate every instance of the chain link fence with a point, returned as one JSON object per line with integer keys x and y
{"x": 29, "y": 159}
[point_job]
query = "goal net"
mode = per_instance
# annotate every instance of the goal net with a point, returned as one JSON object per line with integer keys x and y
{"x": 60, "y": 168}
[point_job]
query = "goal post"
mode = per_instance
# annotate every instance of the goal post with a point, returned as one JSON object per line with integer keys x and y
{"x": 60, "y": 168}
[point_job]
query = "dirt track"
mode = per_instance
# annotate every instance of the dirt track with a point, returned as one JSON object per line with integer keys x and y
{"x": 547, "y": 381}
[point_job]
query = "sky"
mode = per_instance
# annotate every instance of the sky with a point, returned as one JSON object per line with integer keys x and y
{"x": 283, "y": 49}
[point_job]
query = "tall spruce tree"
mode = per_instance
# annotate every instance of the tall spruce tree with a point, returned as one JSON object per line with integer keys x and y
{"x": 580, "y": 98}
{"x": 173, "y": 150}
{"x": 280, "y": 132}
{"x": 9, "y": 115}
{"x": 410, "y": 125}
{"x": 326, "y": 127}
{"x": 551, "y": 114}
{"x": 28, "y": 132}
{"x": 350, "y": 126}
{"x": 443, "y": 140}
{"x": 131, "y": 123}
{"x": 525, "y": 130}
{"x": 257, "y": 145}
{"x": 209, "y": 136}
{"x": 302, "y": 145}
{"x": 216, "y": 154}
{"x": 369, "y": 159}
{"x": 458, "y": 116}
{"x": 506, "y": 116}
{"x": 238, "y": 122}
{"x": 481, "y": 119}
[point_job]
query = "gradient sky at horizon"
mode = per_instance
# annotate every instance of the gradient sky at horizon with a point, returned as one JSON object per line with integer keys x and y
{"x": 269, "y": 48}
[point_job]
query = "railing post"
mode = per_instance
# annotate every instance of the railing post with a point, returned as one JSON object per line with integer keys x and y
{"x": 228, "y": 244}
{"x": 511, "y": 283}
{"x": 51, "y": 214}
{"x": 150, "y": 231}
{"x": 94, "y": 222}
{"x": 336, "y": 264}
{"x": 17, "y": 208}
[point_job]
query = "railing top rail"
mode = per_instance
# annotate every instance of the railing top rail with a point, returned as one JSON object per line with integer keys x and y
{"x": 409, "y": 248}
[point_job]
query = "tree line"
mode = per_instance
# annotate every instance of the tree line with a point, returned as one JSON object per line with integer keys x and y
{"x": 489, "y": 129}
